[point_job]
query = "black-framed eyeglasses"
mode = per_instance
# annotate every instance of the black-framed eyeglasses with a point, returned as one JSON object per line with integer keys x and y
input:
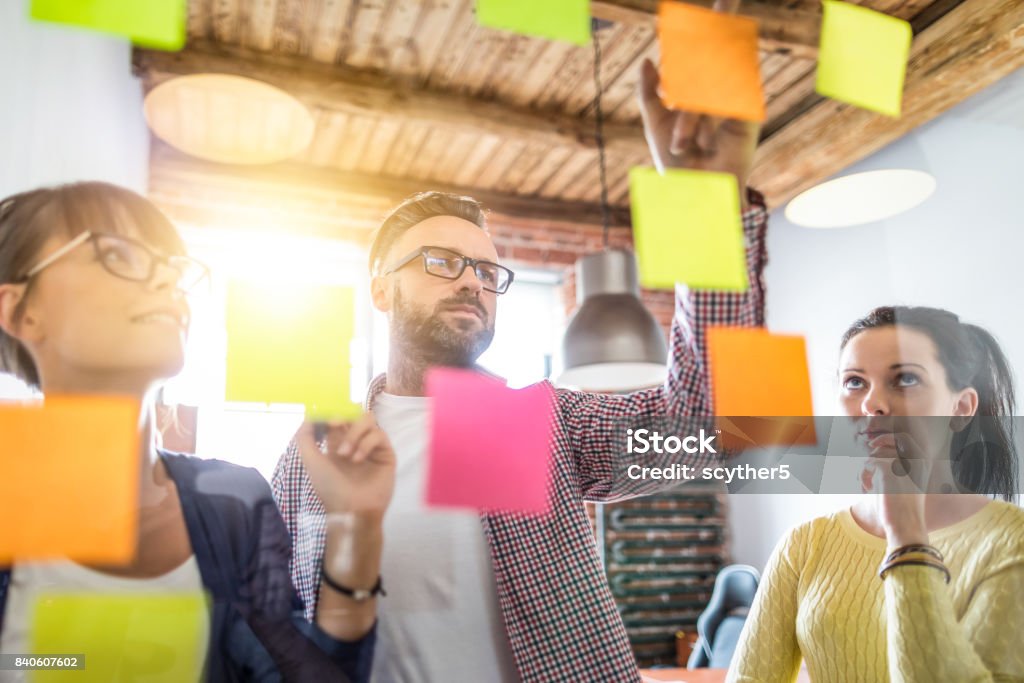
{"x": 443, "y": 262}
{"x": 129, "y": 259}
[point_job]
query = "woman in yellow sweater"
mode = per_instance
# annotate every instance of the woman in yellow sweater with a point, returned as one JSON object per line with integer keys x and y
{"x": 923, "y": 582}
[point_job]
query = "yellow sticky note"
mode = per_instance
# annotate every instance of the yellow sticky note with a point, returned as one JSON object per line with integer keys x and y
{"x": 158, "y": 24}
{"x": 863, "y": 57}
{"x": 567, "y": 20}
{"x": 291, "y": 344}
{"x": 69, "y": 479}
{"x": 125, "y": 637}
{"x": 687, "y": 228}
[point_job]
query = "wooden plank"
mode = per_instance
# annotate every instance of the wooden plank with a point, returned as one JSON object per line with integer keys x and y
{"x": 542, "y": 172}
{"x": 430, "y": 153}
{"x": 257, "y": 21}
{"x": 321, "y": 86}
{"x": 968, "y": 49}
{"x": 569, "y": 172}
{"x": 331, "y": 31}
{"x": 618, "y": 179}
{"x": 535, "y": 77}
{"x": 225, "y": 21}
{"x": 453, "y": 159}
{"x": 400, "y": 25}
{"x": 621, "y": 91}
{"x": 500, "y": 161}
{"x": 375, "y": 155}
{"x": 292, "y": 27}
{"x": 409, "y": 141}
{"x": 365, "y": 49}
{"x": 520, "y": 54}
{"x": 462, "y": 33}
{"x": 235, "y": 186}
{"x": 514, "y": 175}
{"x": 577, "y": 72}
{"x": 791, "y": 31}
{"x": 616, "y": 60}
{"x": 486, "y": 53}
{"x": 353, "y": 142}
{"x": 198, "y": 23}
{"x": 480, "y": 154}
{"x": 330, "y": 129}
{"x": 429, "y": 38}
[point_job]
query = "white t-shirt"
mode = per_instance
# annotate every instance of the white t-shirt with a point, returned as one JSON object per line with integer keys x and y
{"x": 440, "y": 620}
{"x": 30, "y": 579}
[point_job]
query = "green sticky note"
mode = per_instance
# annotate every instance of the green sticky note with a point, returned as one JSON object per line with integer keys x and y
{"x": 863, "y": 57}
{"x": 687, "y": 228}
{"x": 157, "y": 24}
{"x": 292, "y": 345}
{"x": 567, "y": 20}
{"x": 123, "y": 637}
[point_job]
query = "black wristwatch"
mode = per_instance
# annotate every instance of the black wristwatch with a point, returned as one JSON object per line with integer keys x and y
{"x": 360, "y": 594}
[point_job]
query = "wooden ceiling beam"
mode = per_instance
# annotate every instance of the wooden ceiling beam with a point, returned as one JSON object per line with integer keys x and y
{"x": 297, "y": 194}
{"x": 969, "y": 48}
{"x": 785, "y": 31}
{"x": 379, "y": 95}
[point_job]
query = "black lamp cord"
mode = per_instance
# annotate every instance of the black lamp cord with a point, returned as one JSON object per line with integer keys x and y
{"x": 599, "y": 134}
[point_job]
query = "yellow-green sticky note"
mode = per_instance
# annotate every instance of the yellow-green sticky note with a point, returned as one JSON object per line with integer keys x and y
{"x": 687, "y": 228}
{"x": 291, "y": 344}
{"x": 157, "y": 24}
{"x": 567, "y": 20}
{"x": 123, "y": 637}
{"x": 862, "y": 57}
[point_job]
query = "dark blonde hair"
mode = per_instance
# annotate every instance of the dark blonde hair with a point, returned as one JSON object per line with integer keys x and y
{"x": 30, "y": 219}
{"x": 418, "y": 208}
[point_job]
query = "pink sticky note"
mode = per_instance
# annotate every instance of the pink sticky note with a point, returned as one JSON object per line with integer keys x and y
{"x": 490, "y": 446}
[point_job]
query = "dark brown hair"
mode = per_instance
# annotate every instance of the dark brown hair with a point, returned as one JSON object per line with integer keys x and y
{"x": 30, "y": 219}
{"x": 418, "y": 208}
{"x": 984, "y": 456}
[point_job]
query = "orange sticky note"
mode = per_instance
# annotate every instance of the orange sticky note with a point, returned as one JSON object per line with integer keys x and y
{"x": 69, "y": 479}
{"x": 710, "y": 62}
{"x": 756, "y": 373}
{"x": 747, "y": 432}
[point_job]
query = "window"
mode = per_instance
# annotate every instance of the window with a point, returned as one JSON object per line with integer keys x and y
{"x": 529, "y": 325}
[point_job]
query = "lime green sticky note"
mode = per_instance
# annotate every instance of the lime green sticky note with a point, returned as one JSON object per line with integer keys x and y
{"x": 863, "y": 57}
{"x": 158, "y": 638}
{"x": 687, "y": 228}
{"x": 567, "y": 20}
{"x": 291, "y": 344}
{"x": 157, "y": 24}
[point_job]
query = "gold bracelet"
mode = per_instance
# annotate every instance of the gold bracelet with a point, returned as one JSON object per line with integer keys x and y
{"x": 914, "y": 548}
{"x": 913, "y": 556}
{"x": 929, "y": 562}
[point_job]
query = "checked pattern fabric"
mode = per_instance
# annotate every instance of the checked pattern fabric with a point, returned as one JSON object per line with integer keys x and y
{"x": 558, "y": 611}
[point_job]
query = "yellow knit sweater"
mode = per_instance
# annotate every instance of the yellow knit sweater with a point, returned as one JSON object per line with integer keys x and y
{"x": 821, "y": 600}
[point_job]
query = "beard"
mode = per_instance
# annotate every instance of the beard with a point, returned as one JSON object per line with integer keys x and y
{"x": 438, "y": 342}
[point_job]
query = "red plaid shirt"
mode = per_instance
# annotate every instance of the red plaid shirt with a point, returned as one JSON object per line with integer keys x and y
{"x": 559, "y": 613}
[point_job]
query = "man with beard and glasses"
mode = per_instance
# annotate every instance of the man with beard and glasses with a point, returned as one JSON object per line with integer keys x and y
{"x": 499, "y": 596}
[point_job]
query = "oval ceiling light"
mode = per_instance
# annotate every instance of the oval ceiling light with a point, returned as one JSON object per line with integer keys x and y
{"x": 860, "y": 198}
{"x": 229, "y": 119}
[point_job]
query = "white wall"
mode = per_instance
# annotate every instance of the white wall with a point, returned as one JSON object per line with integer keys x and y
{"x": 70, "y": 110}
{"x": 962, "y": 250}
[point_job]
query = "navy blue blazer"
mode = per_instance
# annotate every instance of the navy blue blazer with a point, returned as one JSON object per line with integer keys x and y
{"x": 257, "y": 632}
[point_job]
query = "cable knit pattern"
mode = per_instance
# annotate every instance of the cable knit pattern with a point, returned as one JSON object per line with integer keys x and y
{"x": 821, "y": 600}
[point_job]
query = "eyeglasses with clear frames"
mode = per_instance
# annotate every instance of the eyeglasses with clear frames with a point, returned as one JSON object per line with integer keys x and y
{"x": 443, "y": 262}
{"x": 129, "y": 259}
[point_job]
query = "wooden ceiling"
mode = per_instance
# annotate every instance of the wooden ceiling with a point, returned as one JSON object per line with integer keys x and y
{"x": 413, "y": 94}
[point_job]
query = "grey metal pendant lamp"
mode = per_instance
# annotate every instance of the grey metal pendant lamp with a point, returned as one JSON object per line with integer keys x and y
{"x": 612, "y": 342}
